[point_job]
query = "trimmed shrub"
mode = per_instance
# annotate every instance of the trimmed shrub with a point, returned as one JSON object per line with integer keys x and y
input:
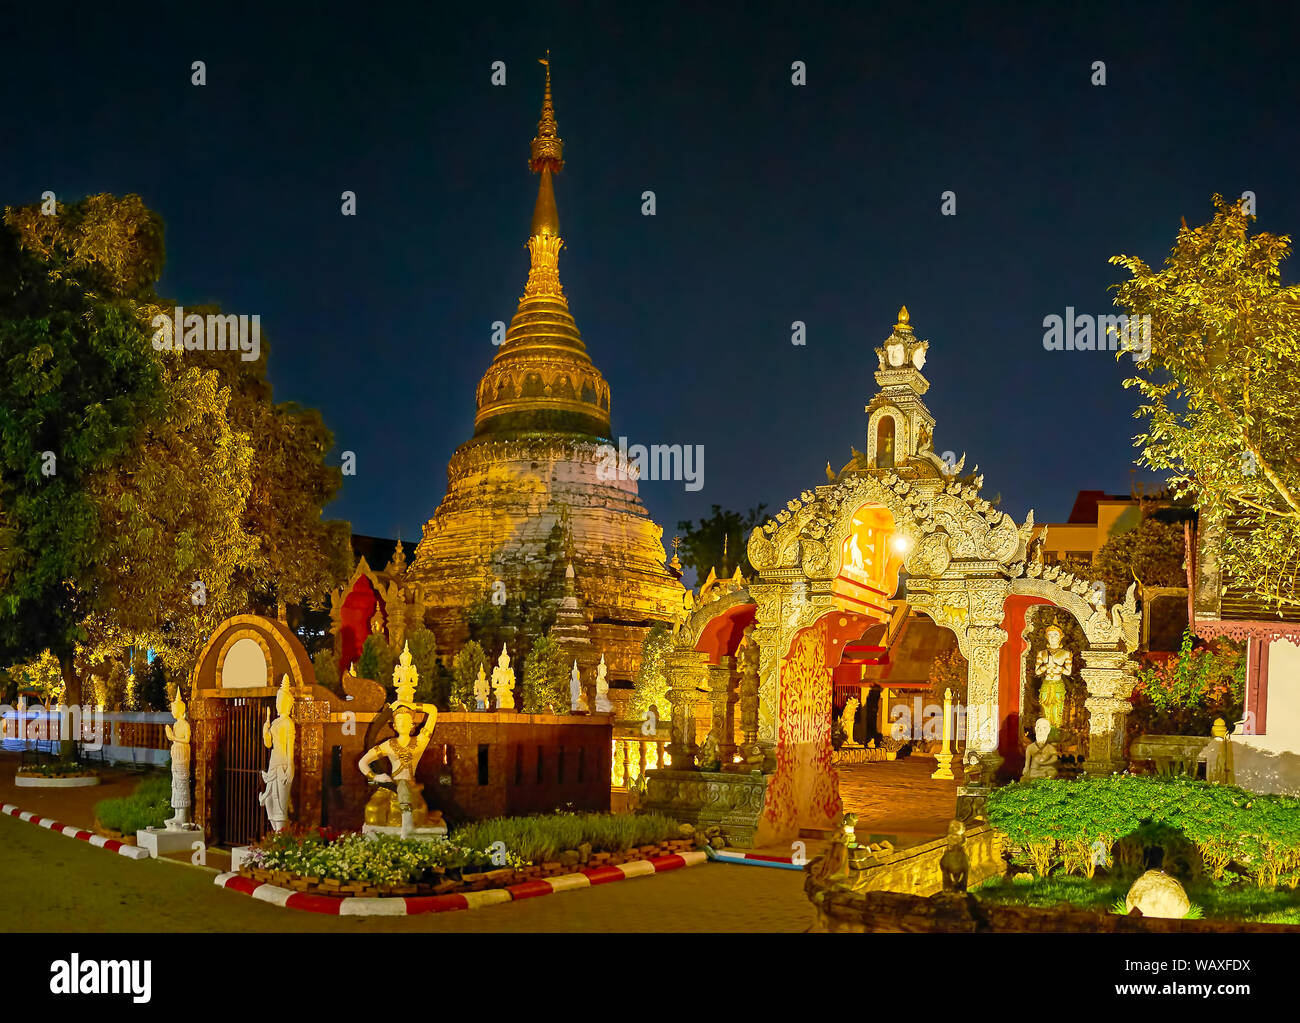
{"x": 1117, "y": 820}
{"x": 149, "y": 806}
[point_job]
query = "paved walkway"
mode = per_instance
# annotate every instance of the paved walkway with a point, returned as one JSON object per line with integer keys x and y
{"x": 898, "y": 799}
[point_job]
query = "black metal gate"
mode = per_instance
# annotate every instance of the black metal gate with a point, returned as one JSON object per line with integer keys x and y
{"x": 244, "y": 756}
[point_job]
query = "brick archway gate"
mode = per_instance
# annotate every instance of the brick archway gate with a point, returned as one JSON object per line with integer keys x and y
{"x": 233, "y": 684}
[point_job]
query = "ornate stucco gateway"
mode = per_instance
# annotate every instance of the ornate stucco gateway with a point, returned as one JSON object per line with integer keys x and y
{"x": 896, "y": 524}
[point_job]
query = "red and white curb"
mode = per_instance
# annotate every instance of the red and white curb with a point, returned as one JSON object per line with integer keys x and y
{"x": 412, "y": 904}
{"x": 753, "y": 859}
{"x": 133, "y": 852}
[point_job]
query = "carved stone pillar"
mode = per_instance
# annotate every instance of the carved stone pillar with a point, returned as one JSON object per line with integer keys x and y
{"x": 1109, "y": 676}
{"x": 722, "y": 699}
{"x": 685, "y": 672}
{"x": 310, "y": 717}
{"x": 769, "y": 634}
{"x": 751, "y": 749}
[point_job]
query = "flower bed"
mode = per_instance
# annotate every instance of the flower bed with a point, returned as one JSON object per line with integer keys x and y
{"x": 474, "y": 858}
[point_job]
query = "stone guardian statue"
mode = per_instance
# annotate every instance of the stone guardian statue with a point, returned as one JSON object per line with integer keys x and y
{"x": 278, "y": 736}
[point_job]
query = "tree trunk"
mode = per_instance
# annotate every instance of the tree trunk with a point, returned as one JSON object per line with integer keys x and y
{"x": 71, "y": 698}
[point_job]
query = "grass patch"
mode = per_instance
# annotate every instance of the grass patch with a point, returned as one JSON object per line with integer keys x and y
{"x": 149, "y": 806}
{"x": 1245, "y": 903}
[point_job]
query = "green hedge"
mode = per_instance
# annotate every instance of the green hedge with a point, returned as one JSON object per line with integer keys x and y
{"x": 1061, "y": 823}
{"x": 149, "y": 806}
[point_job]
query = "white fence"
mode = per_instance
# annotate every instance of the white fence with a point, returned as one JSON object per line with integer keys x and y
{"x": 117, "y": 737}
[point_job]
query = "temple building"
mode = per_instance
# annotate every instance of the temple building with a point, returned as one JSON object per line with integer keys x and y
{"x": 529, "y": 515}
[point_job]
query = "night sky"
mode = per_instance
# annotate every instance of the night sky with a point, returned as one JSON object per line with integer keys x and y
{"x": 775, "y": 203}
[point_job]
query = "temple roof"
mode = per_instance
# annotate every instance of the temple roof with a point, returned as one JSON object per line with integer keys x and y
{"x": 542, "y": 379}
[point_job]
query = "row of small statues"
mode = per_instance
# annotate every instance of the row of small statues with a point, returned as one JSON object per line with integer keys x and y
{"x": 503, "y": 686}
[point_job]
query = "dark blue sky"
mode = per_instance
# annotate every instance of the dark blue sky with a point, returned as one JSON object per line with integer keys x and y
{"x": 775, "y": 203}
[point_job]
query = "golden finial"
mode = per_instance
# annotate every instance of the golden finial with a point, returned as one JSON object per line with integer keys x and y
{"x": 547, "y": 146}
{"x": 903, "y": 319}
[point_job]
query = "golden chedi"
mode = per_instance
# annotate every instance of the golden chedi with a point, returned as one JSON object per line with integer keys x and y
{"x": 525, "y": 495}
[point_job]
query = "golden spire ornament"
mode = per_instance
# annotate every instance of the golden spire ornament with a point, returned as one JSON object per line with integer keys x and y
{"x": 904, "y": 320}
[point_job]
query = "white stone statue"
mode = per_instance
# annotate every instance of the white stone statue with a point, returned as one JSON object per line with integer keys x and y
{"x": 482, "y": 692}
{"x": 179, "y": 734}
{"x": 577, "y": 699}
{"x": 278, "y": 735}
{"x": 503, "y": 681}
{"x": 603, "y": 705}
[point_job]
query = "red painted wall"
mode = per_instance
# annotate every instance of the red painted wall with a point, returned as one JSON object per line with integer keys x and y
{"x": 1010, "y": 661}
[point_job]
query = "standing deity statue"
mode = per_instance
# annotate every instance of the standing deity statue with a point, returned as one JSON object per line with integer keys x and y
{"x": 482, "y": 693}
{"x": 377, "y": 622}
{"x": 577, "y": 700}
{"x": 178, "y": 734}
{"x": 278, "y": 735}
{"x": 603, "y": 704}
{"x": 1052, "y": 666}
{"x": 503, "y": 681}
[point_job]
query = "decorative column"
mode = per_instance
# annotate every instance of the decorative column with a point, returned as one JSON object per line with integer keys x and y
{"x": 984, "y": 641}
{"x": 684, "y": 675}
{"x": 722, "y": 699}
{"x": 944, "y": 771}
{"x": 1108, "y": 673}
{"x": 751, "y": 749}
{"x": 310, "y": 716}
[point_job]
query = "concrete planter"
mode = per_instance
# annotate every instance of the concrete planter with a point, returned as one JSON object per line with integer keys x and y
{"x": 72, "y": 781}
{"x": 1172, "y": 754}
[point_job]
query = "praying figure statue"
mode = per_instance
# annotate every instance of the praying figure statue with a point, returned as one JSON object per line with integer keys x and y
{"x": 503, "y": 681}
{"x": 577, "y": 701}
{"x": 178, "y": 734}
{"x": 603, "y": 704}
{"x": 481, "y": 691}
{"x": 1040, "y": 756}
{"x": 278, "y": 735}
{"x": 399, "y": 792}
{"x": 1052, "y": 666}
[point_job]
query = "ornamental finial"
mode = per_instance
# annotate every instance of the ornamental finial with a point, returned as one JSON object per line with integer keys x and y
{"x": 547, "y": 146}
{"x": 903, "y": 319}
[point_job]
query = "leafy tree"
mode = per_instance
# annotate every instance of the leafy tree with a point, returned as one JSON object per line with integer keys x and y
{"x": 650, "y": 688}
{"x": 377, "y": 660}
{"x": 703, "y": 542}
{"x": 464, "y": 671}
{"x": 948, "y": 671}
{"x": 326, "y": 670}
{"x": 173, "y": 468}
{"x": 1150, "y": 554}
{"x": 546, "y": 679}
{"x": 80, "y": 380}
{"x": 1218, "y": 391}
